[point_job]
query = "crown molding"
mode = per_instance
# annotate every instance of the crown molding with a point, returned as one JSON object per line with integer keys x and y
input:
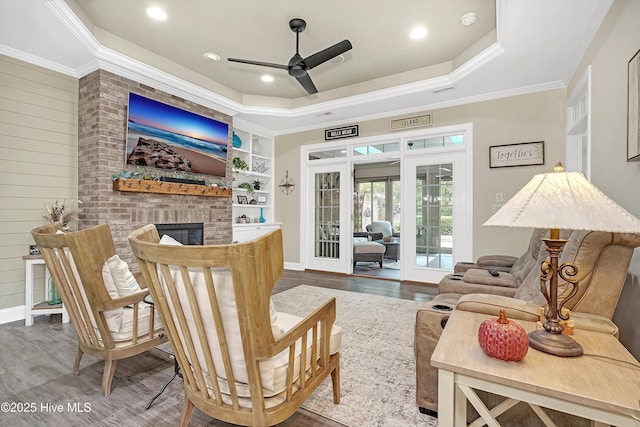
{"x": 36, "y": 60}
{"x": 125, "y": 66}
{"x": 525, "y": 90}
{"x": 117, "y": 63}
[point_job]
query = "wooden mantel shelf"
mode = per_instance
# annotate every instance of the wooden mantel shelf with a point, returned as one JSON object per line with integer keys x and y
{"x": 160, "y": 187}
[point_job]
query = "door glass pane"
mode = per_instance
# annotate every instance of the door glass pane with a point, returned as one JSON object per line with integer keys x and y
{"x": 397, "y": 190}
{"x": 362, "y": 206}
{"x": 378, "y": 201}
{"x": 433, "y": 142}
{"x": 434, "y": 207}
{"x": 328, "y": 154}
{"x": 327, "y": 215}
{"x": 365, "y": 150}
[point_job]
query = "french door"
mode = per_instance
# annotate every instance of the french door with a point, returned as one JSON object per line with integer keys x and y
{"x": 435, "y": 215}
{"x": 327, "y": 223}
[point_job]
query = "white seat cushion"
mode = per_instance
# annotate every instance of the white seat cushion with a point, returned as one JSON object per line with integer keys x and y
{"x": 368, "y": 248}
{"x": 125, "y": 322}
{"x": 273, "y": 397}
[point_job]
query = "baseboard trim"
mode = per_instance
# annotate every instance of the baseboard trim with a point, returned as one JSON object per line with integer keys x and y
{"x": 12, "y": 314}
{"x": 293, "y": 266}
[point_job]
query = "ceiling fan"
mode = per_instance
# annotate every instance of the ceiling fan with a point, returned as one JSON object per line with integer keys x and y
{"x": 298, "y": 66}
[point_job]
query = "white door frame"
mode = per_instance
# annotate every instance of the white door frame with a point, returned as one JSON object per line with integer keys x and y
{"x": 461, "y": 217}
{"x": 463, "y": 208}
{"x": 335, "y": 265}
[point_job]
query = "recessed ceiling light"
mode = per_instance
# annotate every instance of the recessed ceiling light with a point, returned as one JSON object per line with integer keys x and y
{"x": 212, "y": 56}
{"x": 157, "y": 13}
{"x": 266, "y": 78}
{"x": 469, "y": 18}
{"x": 418, "y": 33}
{"x": 337, "y": 60}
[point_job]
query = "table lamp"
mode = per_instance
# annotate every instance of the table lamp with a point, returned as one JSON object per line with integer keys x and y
{"x": 561, "y": 200}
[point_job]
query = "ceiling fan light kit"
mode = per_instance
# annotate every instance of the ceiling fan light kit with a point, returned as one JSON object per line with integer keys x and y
{"x": 298, "y": 66}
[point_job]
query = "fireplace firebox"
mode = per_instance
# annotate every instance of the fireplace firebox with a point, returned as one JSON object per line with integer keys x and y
{"x": 185, "y": 233}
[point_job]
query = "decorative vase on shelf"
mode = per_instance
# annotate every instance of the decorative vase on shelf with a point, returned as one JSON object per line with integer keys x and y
{"x": 237, "y": 142}
{"x": 262, "y": 219}
{"x": 256, "y": 148}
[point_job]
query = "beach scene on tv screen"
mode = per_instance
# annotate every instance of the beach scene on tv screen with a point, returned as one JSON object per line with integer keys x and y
{"x": 165, "y": 137}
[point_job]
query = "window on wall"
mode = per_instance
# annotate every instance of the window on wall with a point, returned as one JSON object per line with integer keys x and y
{"x": 377, "y": 200}
{"x": 434, "y": 142}
{"x": 368, "y": 149}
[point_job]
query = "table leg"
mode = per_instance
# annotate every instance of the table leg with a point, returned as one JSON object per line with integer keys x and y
{"x": 28, "y": 301}
{"x": 446, "y": 386}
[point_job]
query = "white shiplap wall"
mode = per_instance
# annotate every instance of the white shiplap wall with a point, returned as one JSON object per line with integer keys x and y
{"x": 38, "y": 164}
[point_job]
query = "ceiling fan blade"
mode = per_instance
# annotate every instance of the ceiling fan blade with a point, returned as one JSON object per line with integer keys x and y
{"x": 263, "y": 64}
{"x": 326, "y": 54}
{"x": 307, "y": 84}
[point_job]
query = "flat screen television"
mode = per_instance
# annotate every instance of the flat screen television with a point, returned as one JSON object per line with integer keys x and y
{"x": 165, "y": 137}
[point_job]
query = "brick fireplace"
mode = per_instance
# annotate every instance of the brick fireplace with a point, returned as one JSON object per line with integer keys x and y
{"x": 102, "y": 117}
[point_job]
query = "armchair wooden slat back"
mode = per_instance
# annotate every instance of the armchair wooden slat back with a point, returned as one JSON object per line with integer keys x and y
{"x": 65, "y": 276}
{"x": 75, "y": 261}
{"x": 215, "y": 303}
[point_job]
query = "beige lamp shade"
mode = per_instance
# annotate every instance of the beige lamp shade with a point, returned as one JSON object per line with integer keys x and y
{"x": 564, "y": 200}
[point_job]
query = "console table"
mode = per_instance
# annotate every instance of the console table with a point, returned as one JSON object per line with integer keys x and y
{"x": 33, "y": 308}
{"x": 602, "y": 385}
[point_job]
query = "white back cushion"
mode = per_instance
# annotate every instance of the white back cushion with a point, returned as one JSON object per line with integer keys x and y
{"x": 122, "y": 280}
{"x": 383, "y": 227}
{"x": 225, "y": 293}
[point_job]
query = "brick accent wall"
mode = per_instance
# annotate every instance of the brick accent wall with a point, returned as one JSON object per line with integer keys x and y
{"x": 102, "y": 127}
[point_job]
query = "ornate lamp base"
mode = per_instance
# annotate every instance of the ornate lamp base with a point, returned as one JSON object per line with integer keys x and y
{"x": 556, "y": 344}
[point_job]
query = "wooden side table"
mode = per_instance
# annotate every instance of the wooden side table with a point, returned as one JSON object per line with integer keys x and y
{"x": 602, "y": 385}
{"x": 33, "y": 308}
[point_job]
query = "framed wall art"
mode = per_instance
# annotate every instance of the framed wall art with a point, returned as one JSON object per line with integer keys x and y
{"x": 633, "y": 109}
{"x": 523, "y": 154}
{"x": 243, "y": 200}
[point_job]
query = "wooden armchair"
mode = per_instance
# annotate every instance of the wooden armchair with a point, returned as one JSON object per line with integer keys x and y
{"x": 242, "y": 362}
{"x": 107, "y": 325}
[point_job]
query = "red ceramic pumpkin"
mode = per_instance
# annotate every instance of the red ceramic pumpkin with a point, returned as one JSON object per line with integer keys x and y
{"x": 503, "y": 339}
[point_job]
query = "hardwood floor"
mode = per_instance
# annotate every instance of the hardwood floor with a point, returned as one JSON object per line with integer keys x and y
{"x": 35, "y": 366}
{"x": 356, "y": 283}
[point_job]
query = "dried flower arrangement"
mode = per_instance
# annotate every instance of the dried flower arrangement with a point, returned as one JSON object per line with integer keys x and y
{"x": 61, "y": 212}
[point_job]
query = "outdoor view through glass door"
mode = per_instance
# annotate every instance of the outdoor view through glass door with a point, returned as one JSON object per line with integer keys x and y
{"x": 377, "y": 201}
{"x": 436, "y": 208}
{"x": 418, "y": 181}
{"x": 434, "y": 216}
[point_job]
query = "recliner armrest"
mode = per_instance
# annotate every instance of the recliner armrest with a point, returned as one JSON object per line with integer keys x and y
{"x": 492, "y": 304}
{"x": 520, "y": 310}
{"x": 464, "y": 266}
{"x": 594, "y": 323}
{"x": 497, "y": 260}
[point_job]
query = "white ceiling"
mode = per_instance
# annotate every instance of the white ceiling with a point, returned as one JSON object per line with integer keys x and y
{"x": 516, "y": 46}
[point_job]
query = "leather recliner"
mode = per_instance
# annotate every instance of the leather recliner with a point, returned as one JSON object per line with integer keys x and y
{"x": 469, "y": 278}
{"x": 505, "y": 262}
{"x": 602, "y": 260}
